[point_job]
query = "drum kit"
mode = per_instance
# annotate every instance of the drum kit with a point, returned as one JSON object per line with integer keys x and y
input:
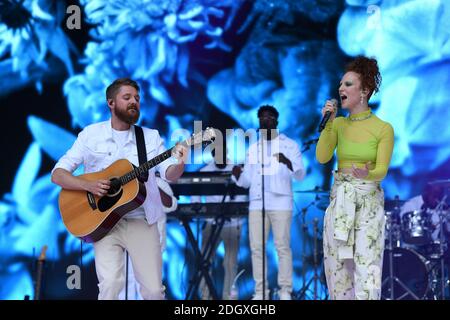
{"x": 415, "y": 256}
{"x": 416, "y": 252}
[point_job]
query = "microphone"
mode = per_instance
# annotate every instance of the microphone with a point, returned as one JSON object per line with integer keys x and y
{"x": 327, "y": 116}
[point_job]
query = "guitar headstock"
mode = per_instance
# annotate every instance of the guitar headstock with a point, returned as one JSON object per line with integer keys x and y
{"x": 209, "y": 135}
{"x": 204, "y": 137}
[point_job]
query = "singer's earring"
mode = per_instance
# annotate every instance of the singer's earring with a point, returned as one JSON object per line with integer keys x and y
{"x": 362, "y": 100}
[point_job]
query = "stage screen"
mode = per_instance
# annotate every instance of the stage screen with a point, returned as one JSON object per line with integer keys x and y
{"x": 214, "y": 61}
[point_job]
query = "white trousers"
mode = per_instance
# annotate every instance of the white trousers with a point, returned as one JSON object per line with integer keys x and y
{"x": 141, "y": 240}
{"x": 230, "y": 235}
{"x": 358, "y": 276}
{"x": 280, "y": 221}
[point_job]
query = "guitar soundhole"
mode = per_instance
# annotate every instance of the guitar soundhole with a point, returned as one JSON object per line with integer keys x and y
{"x": 105, "y": 203}
{"x": 114, "y": 187}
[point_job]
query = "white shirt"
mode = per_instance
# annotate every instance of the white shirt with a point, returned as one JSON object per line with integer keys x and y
{"x": 165, "y": 186}
{"x": 96, "y": 148}
{"x": 218, "y": 198}
{"x": 278, "y": 182}
{"x": 161, "y": 223}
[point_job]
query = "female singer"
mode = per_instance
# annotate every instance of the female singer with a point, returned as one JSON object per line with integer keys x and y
{"x": 354, "y": 220}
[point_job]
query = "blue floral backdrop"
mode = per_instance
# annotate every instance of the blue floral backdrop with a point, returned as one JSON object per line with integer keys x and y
{"x": 215, "y": 61}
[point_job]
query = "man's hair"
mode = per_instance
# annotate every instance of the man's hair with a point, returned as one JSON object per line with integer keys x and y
{"x": 114, "y": 87}
{"x": 268, "y": 108}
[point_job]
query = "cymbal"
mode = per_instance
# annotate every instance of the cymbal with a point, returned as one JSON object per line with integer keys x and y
{"x": 440, "y": 183}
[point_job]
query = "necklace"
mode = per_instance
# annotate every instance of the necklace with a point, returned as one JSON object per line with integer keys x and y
{"x": 367, "y": 116}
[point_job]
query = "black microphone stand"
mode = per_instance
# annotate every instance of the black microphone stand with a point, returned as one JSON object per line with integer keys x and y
{"x": 126, "y": 274}
{"x": 441, "y": 212}
{"x": 263, "y": 213}
{"x": 308, "y": 144}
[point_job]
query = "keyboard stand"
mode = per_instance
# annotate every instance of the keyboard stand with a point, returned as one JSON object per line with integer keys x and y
{"x": 203, "y": 259}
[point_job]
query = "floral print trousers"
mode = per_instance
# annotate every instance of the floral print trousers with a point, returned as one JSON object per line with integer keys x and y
{"x": 353, "y": 239}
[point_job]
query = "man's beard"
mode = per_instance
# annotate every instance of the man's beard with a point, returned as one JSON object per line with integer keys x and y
{"x": 128, "y": 117}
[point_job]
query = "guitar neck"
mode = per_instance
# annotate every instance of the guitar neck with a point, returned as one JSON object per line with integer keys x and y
{"x": 154, "y": 162}
{"x": 142, "y": 169}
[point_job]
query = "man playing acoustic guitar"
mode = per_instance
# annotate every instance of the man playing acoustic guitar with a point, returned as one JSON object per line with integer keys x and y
{"x": 97, "y": 147}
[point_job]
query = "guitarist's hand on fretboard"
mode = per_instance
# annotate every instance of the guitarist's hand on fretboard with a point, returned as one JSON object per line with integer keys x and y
{"x": 180, "y": 152}
{"x": 97, "y": 187}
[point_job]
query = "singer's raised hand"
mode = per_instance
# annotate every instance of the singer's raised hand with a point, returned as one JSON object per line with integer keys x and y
{"x": 330, "y": 106}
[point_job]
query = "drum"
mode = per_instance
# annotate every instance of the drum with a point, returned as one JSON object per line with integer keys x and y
{"x": 410, "y": 278}
{"x": 433, "y": 250}
{"x": 415, "y": 226}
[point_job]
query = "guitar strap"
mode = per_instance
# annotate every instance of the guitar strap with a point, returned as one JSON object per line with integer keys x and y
{"x": 142, "y": 152}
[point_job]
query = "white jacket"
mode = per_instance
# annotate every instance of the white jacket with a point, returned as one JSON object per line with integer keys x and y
{"x": 96, "y": 149}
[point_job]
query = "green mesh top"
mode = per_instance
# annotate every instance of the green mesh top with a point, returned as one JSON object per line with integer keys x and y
{"x": 360, "y": 138}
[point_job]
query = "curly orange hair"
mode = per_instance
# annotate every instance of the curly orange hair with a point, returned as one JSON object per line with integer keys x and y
{"x": 368, "y": 71}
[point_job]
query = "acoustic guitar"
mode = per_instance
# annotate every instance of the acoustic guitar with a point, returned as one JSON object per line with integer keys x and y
{"x": 90, "y": 217}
